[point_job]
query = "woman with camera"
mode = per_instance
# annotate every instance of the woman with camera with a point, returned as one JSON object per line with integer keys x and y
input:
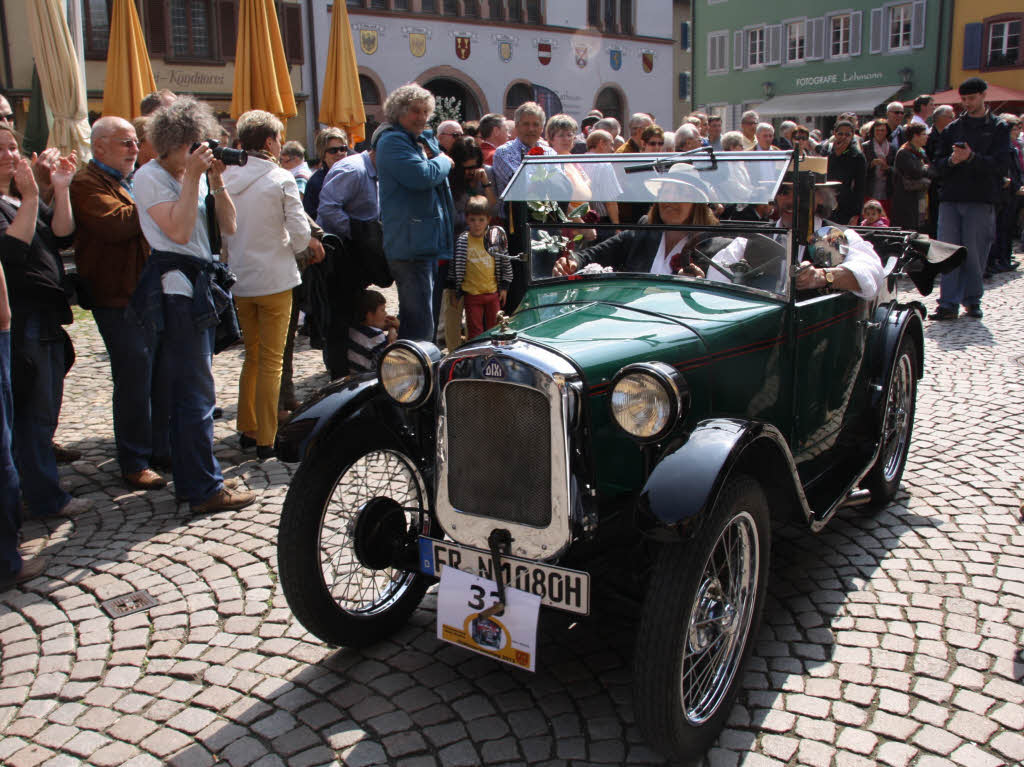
{"x": 272, "y": 230}
{"x": 183, "y": 288}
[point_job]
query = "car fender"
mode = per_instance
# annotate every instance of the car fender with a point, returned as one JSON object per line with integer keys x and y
{"x": 353, "y": 402}
{"x": 895, "y": 322}
{"x": 685, "y": 484}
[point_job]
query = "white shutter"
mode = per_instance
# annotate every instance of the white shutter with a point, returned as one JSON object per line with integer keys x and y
{"x": 722, "y": 59}
{"x": 815, "y": 39}
{"x": 737, "y": 50}
{"x": 917, "y": 25}
{"x": 775, "y": 44}
{"x": 855, "y": 32}
{"x": 712, "y": 53}
{"x": 877, "y": 30}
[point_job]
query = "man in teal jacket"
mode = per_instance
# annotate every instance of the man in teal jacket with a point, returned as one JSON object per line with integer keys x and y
{"x": 416, "y": 206}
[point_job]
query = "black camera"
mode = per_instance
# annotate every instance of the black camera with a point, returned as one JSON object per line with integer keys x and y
{"x": 226, "y": 155}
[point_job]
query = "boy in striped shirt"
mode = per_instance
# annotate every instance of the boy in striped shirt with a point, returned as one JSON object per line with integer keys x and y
{"x": 367, "y": 340}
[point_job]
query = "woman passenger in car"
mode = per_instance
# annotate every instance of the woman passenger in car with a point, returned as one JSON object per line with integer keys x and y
{"x": 682, "y": 201}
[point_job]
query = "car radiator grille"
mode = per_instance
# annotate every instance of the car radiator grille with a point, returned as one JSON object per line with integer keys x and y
{"x": 499, "y": 451}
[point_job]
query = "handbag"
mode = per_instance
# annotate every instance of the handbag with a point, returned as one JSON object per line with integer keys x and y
{"x": 915, "y": 184}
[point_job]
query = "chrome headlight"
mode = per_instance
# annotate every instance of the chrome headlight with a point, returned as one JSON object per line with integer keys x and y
{"x": 648, "y": 399}
{"x": 407, "y": 371}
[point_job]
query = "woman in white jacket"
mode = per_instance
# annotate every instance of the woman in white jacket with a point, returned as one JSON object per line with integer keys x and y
{"x": 272, "y": 230}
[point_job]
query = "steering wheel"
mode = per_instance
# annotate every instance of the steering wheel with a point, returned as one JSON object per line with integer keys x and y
{"x": 732, "y": 276}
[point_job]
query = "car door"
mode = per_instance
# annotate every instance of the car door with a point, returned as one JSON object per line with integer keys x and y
{"x": 830, "y": 332}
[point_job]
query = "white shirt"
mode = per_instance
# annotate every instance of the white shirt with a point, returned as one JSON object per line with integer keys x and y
{"x": 861, "y": 260}
{"x": 662, "y": 260}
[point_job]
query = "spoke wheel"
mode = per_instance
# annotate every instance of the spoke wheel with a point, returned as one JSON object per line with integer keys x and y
{"x": 350, "y": 508}
{"x": 720, "y": 619}
{"x": 883, "y": 480}
{"x": 702, "y": 609}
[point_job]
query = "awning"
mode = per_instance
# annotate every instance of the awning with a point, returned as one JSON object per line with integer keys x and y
{"x": 858, "y": 100}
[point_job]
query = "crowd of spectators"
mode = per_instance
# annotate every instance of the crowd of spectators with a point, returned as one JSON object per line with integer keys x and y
{"x": 157, "y": 221}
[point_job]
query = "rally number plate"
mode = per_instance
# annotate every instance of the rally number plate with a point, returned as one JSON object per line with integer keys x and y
{"x": 556, "y": 586}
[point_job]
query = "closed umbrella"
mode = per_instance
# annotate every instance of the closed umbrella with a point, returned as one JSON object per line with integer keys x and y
{"x": 59, "y": 76}
{"x": 129, "y": 75}
{"x": 261, "y": 69}
{"x": 37, "y": 131}
{"x": 342, "y": 103}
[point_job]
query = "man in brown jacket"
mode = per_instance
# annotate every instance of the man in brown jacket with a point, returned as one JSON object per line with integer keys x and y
{"x": 110, "y": 253}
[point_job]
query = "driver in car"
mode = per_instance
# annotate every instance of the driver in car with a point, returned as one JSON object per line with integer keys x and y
{"x": 682, "y": 201}
{"x": 861, "y": 271}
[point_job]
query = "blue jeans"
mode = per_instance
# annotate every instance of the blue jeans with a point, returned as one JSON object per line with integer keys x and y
{"x": 36, "y": 411}
{"x": 415, "y": 282}
{"x": 140, "y": 403}
{"x": 184, "y": 362}
{"x": 972, "y": 224}
{"x": 10, "y": 496}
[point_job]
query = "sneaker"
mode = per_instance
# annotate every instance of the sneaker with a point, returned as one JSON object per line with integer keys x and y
{"x": 147, "y": 479}
{"x": 65, "y": 454}
{"x": 225, "y": 500}
{"x": 974, "y": 310}
{"x": 74, "y": 507}
{"x": 944, "y": 313}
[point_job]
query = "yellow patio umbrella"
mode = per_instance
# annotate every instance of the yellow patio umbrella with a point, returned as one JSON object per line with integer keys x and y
{"x": 342, "y": 102}
{"x": 261, "y": 69}
{"x": 129, "y": 75}
{"x": 61, "y": 79}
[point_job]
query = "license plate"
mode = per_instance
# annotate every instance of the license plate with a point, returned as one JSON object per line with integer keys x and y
{"x": 556, "y": 586}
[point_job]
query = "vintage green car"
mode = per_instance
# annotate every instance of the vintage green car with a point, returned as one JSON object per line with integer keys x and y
{"x": 663, "y": 389}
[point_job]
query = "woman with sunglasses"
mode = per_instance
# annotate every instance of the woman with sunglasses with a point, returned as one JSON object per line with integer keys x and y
{"x": 331, "y": 146}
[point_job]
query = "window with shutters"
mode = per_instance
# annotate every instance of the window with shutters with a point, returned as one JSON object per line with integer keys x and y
{"x": 96, "y": 18}
{"x": 1002, "y": 42}
{"x": 756, "y": 47}
{"x": 400, "y": 5}
{"x": 611, "y": 16}
{"x": 191, "y": 27}
{"x": 718, "y": 53}
{"x": 471, "y": 8}
{"x": 839, "y": 35}
{"x": 594, "y": 13}
{"x": 515, "y": 11}
{"x": 428, "y": 6}
{"x": 900, "y": 25}
{"x": 533, "y": 14}
{"x": 796, "y": 41}
{"x": 497, "y": 9}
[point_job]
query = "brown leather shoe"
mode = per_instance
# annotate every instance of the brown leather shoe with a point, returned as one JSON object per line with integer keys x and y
{"x": 30, "y": 568}
{"x": 65, "y": 454}
{"x": 225, "y": 500}
{"x": 147, "y": 479}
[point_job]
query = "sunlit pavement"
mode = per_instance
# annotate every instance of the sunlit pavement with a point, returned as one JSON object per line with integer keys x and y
{"x": 888, "y": 639}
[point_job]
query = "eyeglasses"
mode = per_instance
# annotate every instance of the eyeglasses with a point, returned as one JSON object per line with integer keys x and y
{"x": 129, "y": 142}
{"x": 335, "y": 149}
{"x": 453, "y": 135}
{"x": 8, "y": 118}
{"x": 655, "y": 143}
{"x": 896, "y": 111}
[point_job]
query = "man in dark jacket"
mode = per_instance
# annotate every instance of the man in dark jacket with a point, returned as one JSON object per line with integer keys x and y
{"x": 110, "y": 253}
{"x": 847, "y": 165}
{"x": 972, "y": 159}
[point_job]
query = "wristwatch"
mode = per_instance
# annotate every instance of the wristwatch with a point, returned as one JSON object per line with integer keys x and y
{"x": 830, "y": 279}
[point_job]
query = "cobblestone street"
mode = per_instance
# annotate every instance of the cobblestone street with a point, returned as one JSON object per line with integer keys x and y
{"x": 892, "y": 639}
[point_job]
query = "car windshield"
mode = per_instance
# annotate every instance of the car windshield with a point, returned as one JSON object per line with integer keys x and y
{"x": 696, "y": 216}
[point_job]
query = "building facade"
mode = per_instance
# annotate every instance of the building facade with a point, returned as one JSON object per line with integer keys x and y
{"x": 492, "y": 55}
{"x": 987, "y": 43}
{"x": 683, "y": 27}
{"x": 191, "y": 46}
{"x": 786, "y": 63}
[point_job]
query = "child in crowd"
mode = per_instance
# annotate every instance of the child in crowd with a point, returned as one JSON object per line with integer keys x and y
{"x": 481, "y": 276}
{"x": 377, "y": 329}
{"x": 873, "y": 214}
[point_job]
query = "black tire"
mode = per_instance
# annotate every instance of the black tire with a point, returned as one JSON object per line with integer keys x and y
{"x": 690, "y": 586}
{"x": 883, "y": 480}
{"x": 320, "y": 520}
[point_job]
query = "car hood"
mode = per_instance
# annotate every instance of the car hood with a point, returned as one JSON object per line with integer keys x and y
{"x": 605, "y": 324}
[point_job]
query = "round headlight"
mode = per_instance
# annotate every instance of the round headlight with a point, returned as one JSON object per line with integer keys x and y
{"x": 406, "y": 372}
{"x": 648, "y": 399}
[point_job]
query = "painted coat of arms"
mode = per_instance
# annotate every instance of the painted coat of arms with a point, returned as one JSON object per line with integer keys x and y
{"x": 544, "y": 53}
{"x": 368, "y": 41}
{"x": 417, "y": 43}
{"x": 462, "y": 46}
{"x": 615, "y": 59}
{"x": 581, "y": 55}
{"x": 505, "y": 51}
{"x": 647, "y": 59}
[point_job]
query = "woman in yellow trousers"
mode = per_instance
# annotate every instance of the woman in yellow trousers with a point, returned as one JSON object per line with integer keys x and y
{"x": 272, "y": 230}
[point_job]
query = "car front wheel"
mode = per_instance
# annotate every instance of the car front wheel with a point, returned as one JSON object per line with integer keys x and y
{"x": 702, "y": 609}
{"x": 350, "y": 509}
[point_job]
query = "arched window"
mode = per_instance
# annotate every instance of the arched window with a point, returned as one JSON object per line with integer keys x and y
{"x": 518, "y": 94}
{"x": 609, "y": 101}
{"x": 369, "y": 91}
